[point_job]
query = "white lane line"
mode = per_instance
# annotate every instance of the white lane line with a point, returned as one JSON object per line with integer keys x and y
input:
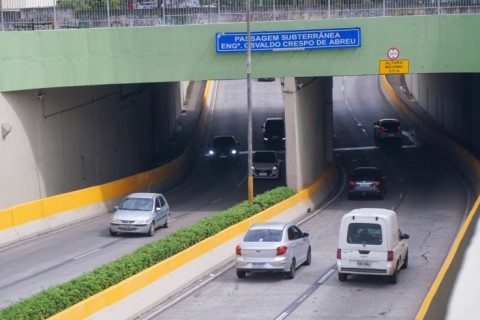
{"x": 241, "y": 182}
{"x": 212, "y": 277}
{"x": 326, "y": 276}
{"x": 215, "y": 201}
{"x": 86, "y": 254}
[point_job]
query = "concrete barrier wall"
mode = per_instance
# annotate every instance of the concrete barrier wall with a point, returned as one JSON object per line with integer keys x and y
{"x": 156, "y": 284}
{"x": 436, "y": 301}
{"x": 40, "y": 216}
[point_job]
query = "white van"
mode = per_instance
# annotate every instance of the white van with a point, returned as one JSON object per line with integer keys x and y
{"x": 371, "y": 243}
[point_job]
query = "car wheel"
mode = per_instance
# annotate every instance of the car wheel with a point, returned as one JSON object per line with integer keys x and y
{"x": 291, "y": 272}
{"x": 405, "y": 262}
{"x": 309, "y": 257}
{"x": 165, "y": 225}
{"x": 241, "y": 274}
{"x": 394, "y": 277}
{"x": 113, "y": 233}
{"x": 342, "y": 276}
{"x": 151, "y": 230}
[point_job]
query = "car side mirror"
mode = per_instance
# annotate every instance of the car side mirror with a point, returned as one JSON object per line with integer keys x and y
{"x": 405, "y": 236}
{"x": 116, "y": 207}
{"x": 305, "y": 234}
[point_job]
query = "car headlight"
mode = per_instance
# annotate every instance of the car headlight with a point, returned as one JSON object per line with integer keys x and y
{"x": 146, "y": 221}
{"x": 274, "y": 168}
{"x": 211, "y": 152}
{"x": 234, "y": 151}
{"x": 115, "y": 221}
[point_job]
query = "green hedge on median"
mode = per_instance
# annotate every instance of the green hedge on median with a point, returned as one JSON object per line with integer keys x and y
{"x": 56, "y": 299}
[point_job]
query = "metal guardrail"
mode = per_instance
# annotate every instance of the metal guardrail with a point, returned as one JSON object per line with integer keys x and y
{"x": 20, "y": 15}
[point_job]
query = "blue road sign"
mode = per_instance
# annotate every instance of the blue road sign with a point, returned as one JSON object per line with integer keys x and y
{"x": 289, "y": 40}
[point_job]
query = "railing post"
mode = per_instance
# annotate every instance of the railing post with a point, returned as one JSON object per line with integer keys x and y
{"x": 274, "y": 13}
{"x": 1, "y": 16}
{"x": 54, "y": 15}
{"x": 108, "y": 13}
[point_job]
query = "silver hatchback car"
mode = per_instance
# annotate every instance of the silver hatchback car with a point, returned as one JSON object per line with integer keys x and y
{"x": 266, "y": 165}
{"x": 273, "y": 247}
{"x": 140, "y": 213}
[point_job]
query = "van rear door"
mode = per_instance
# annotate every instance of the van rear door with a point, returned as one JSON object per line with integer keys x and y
{"x": 364, "y": 247}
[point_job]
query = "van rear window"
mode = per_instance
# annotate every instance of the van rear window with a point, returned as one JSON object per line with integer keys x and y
{"x": 364, "y": 233}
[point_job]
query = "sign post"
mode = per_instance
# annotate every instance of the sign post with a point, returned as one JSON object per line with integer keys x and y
{"x": 249, "y": 107}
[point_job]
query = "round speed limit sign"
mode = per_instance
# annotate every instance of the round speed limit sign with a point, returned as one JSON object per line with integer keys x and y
{"x": 393, "y": 53}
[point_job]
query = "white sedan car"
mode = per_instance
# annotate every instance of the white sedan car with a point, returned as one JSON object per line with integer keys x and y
{"x": 273, "y": 247}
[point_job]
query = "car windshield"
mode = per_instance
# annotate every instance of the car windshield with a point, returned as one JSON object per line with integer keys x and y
{"x": 137, "y": 204}
{"x": 266, "y": 157}
{"x": 275, "y": 125}
{"x": 390, "y": 124}
{"x": 223, "y": 141}
{"x": 263, "y": 235}
{"x": 364, "y": 233}
{"x": 367, "y": 174}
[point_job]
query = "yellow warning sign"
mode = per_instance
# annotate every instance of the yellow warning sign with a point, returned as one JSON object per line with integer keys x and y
{"x": 393, "y": 66}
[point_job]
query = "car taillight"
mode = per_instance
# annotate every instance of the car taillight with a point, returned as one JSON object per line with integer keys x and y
{"x": 339, "y": 254}
{"x": 390, "y": 256}
{"x": 281, "y": 250}
{"x": 238, "y": 250}
{"x": 398, "y": 127}
{"x": 382, "y": 128}
{"x": 377, "y": 183}
{"x": 351, "y": 183}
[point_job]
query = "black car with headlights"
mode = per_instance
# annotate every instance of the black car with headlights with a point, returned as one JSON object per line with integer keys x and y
{"x": 224, "y": 148}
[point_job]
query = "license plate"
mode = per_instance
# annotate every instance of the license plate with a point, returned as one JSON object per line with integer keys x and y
{"x": 364, "y": 264}
{"x": 262, "y": 174}
{"x": 364, "y": 185}
{"x": 391, "y": 135}
{"x": 223, "y": 156}
{"x": 125, "y": 228}
{"x": 258, "y": 265}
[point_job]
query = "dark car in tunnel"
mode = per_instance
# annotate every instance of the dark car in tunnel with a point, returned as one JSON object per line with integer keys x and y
{"x": 366, "y": 181}
{"x": 224, "y": 148}
{"x": 274, "y": 131}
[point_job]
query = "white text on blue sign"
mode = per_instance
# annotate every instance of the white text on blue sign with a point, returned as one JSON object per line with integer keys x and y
{"x": 289, "y": 40}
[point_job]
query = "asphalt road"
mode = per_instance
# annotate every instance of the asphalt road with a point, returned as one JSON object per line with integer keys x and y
{"x": 431, "y": 200}
{"x": 51, "y": 259}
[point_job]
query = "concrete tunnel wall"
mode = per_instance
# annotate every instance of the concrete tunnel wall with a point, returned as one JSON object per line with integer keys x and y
{"x": 452, "y": 101}
{"x": 63, "y": 139}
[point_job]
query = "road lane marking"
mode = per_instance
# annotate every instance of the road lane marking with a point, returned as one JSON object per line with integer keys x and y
{"x": 302, "y": 298}
{"x": 86, "y": 254}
